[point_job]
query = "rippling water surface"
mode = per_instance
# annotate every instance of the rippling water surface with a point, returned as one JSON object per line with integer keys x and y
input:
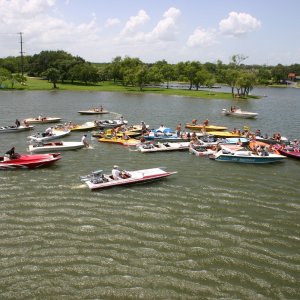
{"x": 213, "y": 231}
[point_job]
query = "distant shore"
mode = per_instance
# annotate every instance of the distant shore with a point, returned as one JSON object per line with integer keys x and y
{"x": 42, "y": 84}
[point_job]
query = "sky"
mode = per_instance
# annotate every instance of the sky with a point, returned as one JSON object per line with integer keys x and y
{"x": 267, "y": 32}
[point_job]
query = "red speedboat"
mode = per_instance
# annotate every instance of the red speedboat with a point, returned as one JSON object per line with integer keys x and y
{"x": 288, "y": 151}
{"x": 28, "y": 161}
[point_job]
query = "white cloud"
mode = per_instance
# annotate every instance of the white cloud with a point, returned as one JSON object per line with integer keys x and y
{"x": 202, "y": 37}
{"x": 42, "y": 31}
{"x": 166, "y": 28}
{"x": 134, "y": 23}
{"x": 112, "y": 22}
{"x": 238, "y": 24}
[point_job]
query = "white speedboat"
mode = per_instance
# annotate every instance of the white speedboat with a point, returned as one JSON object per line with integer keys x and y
{"x": 95, "y": 111}
{"x": 42, "y": 120}
{"x": 6, "y": 129}
{"x": 98, "y": 180}
{"x": 56, "y": 134}
{"x": 237, "y": 112}
{"x": 54, "y": 146}
{"x": 106, "y": 124}
{"x": 161, "y": 147}
{"x": 246, "y": 156}
{"x": 201, "y": 150}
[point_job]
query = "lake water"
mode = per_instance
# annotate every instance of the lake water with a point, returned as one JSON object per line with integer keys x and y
{"x": 213, "y": 231}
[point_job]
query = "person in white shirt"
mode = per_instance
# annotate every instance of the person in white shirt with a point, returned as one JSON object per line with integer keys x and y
{"x": 116, "y": 173}
{"x": 48, "y": 131}
{"x": 84, "y": 141}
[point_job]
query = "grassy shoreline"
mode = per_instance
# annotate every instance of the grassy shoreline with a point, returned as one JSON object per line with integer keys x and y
{"x": 37, "y": 84}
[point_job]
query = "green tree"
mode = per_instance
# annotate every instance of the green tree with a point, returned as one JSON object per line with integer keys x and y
{"x": 53, "y": 75}
{"x": 4, "y": 75}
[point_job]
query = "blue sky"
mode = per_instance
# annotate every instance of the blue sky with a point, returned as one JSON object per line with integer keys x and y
{"x": 265, "y": 31}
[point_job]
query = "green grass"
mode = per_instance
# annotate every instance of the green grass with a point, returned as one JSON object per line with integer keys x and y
{"x": 41, "y": 84}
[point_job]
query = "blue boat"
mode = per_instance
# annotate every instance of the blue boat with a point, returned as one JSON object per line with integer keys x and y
{"x": 245, "y": 156}
{"x": 164, "y": 134}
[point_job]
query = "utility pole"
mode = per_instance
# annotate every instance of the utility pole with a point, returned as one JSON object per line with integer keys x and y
{"x": 22, "y": 58}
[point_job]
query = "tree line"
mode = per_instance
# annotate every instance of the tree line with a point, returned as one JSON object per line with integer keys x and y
{"x": 60, "y": 66}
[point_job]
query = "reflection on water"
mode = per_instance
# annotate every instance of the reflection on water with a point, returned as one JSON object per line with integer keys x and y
{"x": 213, "y": 230}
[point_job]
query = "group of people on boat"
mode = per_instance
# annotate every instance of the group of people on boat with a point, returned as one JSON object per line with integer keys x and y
{"x": 96, "y": 109}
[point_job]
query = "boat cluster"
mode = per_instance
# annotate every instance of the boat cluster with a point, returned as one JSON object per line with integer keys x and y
{"x": 202, "y": 140}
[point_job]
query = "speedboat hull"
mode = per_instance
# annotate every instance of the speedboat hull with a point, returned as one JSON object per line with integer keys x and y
{"x": 84, "y": 127}
{"x": 121, "y": 141}
{"x": 240, "y": 114}
{"x": 206, "y": 128}
{"x": 42, "y": 120}
{"x": 93, "y": 112}
{"x": 139, "y": 176}
{"x": 162, "y": 147}
{"x": 57, "y": 134}
{"x": 246, "y": 157}
{"x": 288, "y": 151}
{"x": 13, "y": 129}
{"x": 29, "y": 161}
{"x": 55, "y": 146}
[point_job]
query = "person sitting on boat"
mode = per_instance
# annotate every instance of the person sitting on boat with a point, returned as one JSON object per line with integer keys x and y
{"x": 115, "y": 172}
{"x": 48, "y": 131}
{"x": 26, "y": 124}
{"x": 161, "y": 128}
{"x": 125, "y": 136}
{"x": 194, "y": 121}
{"x": 18, "y": 124}
{"x": 205, "y": 123}
{"x": 84, "y": 141}
{"x": 11, "y": 154}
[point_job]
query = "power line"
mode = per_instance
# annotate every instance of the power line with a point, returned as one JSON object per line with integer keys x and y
{"x": 21, "y": 52}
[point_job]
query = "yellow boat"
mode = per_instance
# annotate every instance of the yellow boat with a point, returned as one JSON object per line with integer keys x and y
{"x": 130, "y": 133}
{"x": 118, "y": 140}
{"x": 84, "y": 127}
{"x": 224, "y": 134}
{"x": 207, "y": 127}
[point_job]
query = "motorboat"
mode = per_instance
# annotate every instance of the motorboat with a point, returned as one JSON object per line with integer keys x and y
{"x": 164, "y": 134}
{"x": 119, "y": 140}
{"x": 83, "y": 127}
{"x": 54, "y": 146}
{"x": 225, "y": 134}
{"x": 289, "y": 151}
{"x": 105, "y": 124}
{"x": 233, "y": 140}
{"x": 161, "y": 147}
{"x": 201, "y": 150}
{"x": 28, "y": 161}
{"x": 94, "y": 111}
{"x": 42, "y": 120}
{"x": 244, "y": 155}
{"x": 56, "y": 134}
{"x": 12, "y": 129}
{"x": 99, "y": 180}
{"x": 237, "y": 112}
{"x": 205, "y": 127}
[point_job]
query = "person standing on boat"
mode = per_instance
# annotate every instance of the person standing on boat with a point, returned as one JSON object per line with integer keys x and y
{"x": 178, "y": 130}
{"x": 84, "y": 141}
{"x": 18, "y": 124}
